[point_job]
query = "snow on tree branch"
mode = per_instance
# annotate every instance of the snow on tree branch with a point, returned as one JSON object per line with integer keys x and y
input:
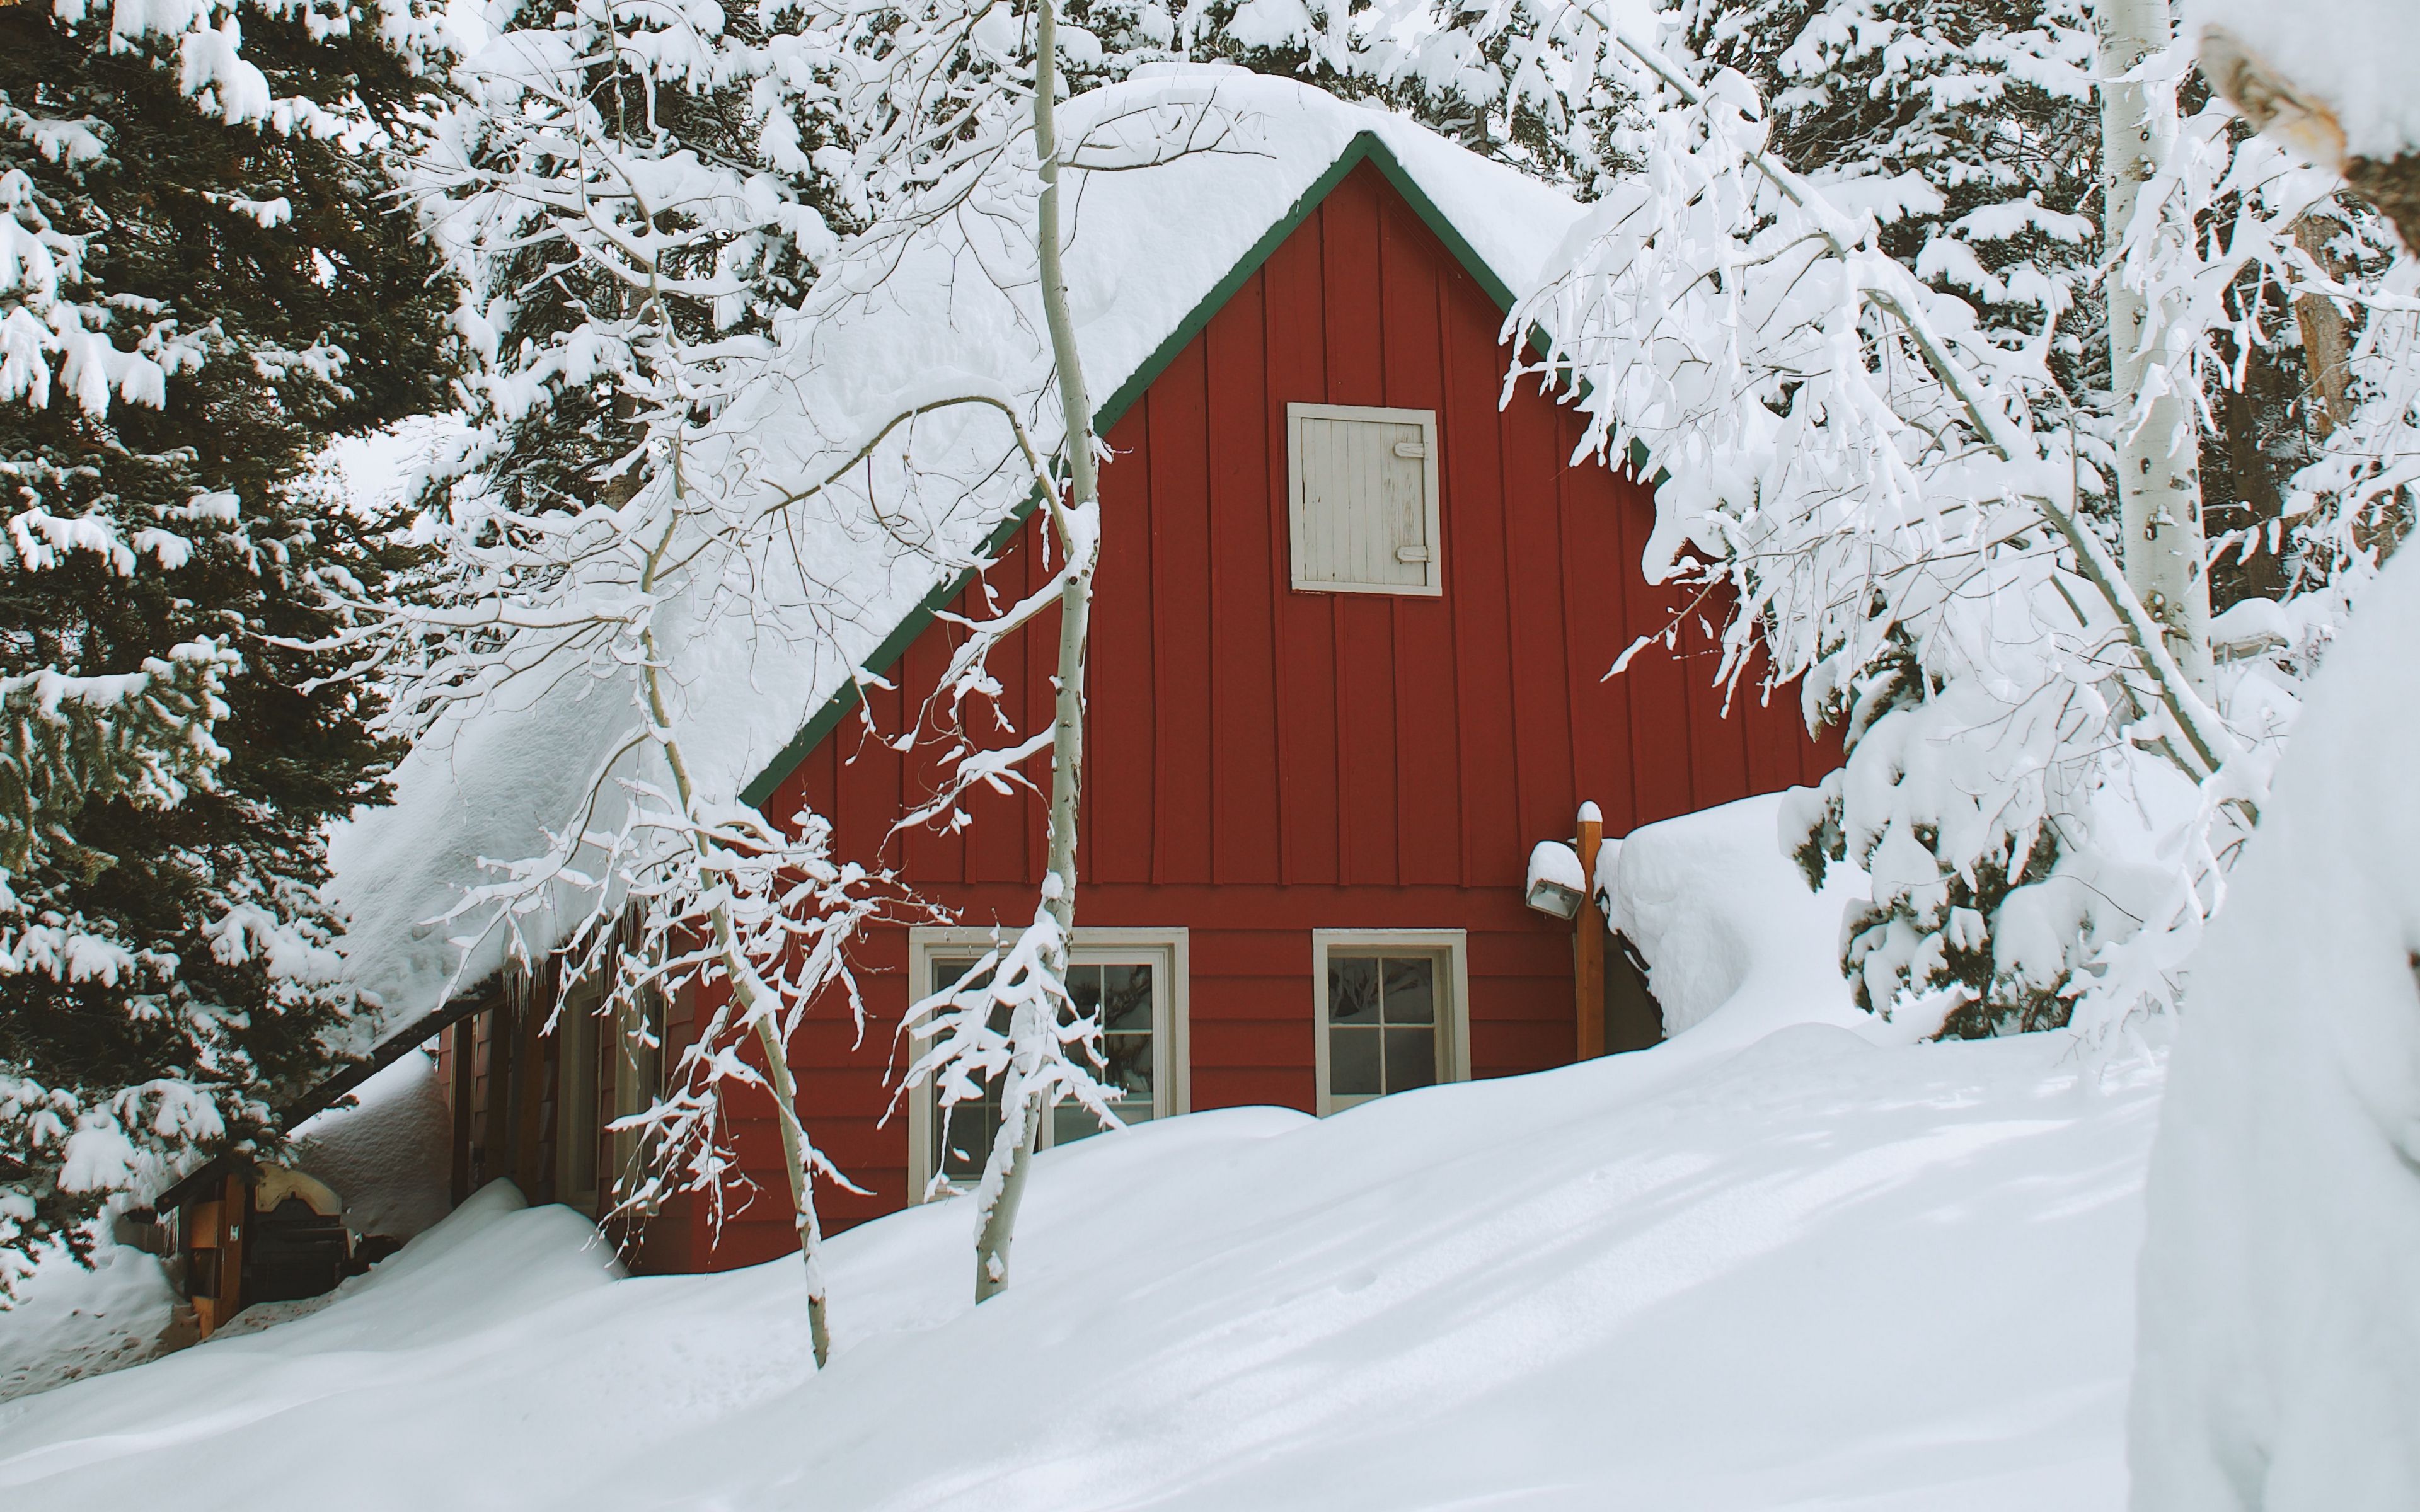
{"x": 1902, "y": 501}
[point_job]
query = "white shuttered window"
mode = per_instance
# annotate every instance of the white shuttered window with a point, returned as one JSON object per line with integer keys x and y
{"x": 1362, "y": 492}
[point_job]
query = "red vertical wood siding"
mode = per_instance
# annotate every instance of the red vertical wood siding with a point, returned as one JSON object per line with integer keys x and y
{"x": 1264, "y": 761}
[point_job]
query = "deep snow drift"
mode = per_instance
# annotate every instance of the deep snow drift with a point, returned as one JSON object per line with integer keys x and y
{"x": 75, "y": 1322}
{"x": 1814, "y": 1271}
{"x": 2281, "y": 1328}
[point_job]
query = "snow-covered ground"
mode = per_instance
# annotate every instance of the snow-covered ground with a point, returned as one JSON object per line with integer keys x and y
{"x": 1814, "y": 1271}
{"x": 76, "y": 1323}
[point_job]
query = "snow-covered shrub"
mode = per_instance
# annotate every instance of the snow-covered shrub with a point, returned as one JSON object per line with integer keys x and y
{"x": 2280, "y": 1322}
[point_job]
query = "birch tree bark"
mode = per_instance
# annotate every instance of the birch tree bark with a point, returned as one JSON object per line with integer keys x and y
{"x": 746, "y": 982}
{"x": 2159, "y": 482}
{"x": 1078, "y": 524}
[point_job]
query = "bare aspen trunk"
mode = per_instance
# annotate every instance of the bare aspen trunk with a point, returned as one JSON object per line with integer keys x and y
{"x": 802, "y": 1190}
{"x": 1077, "y": 536}
{"x": 2159, "y": 483}
{"x": 747, "y": 985}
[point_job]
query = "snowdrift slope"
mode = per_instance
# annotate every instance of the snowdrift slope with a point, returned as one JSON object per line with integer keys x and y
{"x": 1814, "y": 1272}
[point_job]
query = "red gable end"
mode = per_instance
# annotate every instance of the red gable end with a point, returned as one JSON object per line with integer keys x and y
{"x": 1265, "y": 762}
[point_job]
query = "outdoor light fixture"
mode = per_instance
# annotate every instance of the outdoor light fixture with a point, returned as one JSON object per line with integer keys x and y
{"x": 1556, "y": 883}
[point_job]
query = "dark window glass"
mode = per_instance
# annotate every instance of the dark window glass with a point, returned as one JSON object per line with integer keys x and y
{"x": 1411, "y": 1058}
{"x": 1122, "y": 994}
{"x": 1380, "y": 1023}
{"x": 1354, "y": 1065}
{"x": 1352, "y": 989}
{"x": 1411, "y": 989}
{"x": 1126, "y": 999}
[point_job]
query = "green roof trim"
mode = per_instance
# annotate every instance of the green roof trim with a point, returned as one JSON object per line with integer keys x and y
{"x": 886, "y": 656}
{"x": 1364, "y": 147}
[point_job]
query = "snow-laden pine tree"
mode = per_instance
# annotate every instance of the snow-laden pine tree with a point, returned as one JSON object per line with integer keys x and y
{"x": 1509, "y": 81}
{"x": 202, "y": 281}
{"x": 624, "y": 193}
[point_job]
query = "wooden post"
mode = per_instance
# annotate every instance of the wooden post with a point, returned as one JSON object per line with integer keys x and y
{"x": 1587, "y": 947}
{"x": 496, "y": 1096}
{"x": 466, "y": 1058}
{"x": 535, "y": 1064}
{"x": 236, "y": 1207}
{"x": 203, "y": 1244}
{"x": 218, "y": 1224}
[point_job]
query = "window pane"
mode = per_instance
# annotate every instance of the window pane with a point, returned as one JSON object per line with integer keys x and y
{"x": 1352, "y": 990}
{"x": 965, "y": 1138}
{"x": 1352, "y": 1068}
{"x": 1411, "y": 1058}
{"x": 1084, "y": 988}
{"x": 1411, "y": 989}
{"x": 1123, "y": 994}
{"x": 1070, "y": 1122}
{"x": 964, "y": 1134}
{"x": 1129, "y": 1070}
{"x": 1126, "y": 998}
{"x": 948, "y": 969}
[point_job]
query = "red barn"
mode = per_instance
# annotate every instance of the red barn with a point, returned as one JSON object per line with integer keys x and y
{"x": 1354, "y": 618}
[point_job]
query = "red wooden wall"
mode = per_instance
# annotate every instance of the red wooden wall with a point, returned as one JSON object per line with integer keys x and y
{"x": 1264, "y": 761}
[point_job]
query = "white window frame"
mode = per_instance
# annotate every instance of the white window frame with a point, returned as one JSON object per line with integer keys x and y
{"x": 1451, "y": 945}
{"x": 1427, "y": 420}
{"x": 1167, "y": 952}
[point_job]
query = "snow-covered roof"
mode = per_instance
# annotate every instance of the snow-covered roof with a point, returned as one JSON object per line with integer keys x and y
{"x": 1180, "y": 183}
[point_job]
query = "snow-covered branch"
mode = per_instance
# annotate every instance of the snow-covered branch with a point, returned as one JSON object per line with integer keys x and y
{"x": 1904, "y": 503}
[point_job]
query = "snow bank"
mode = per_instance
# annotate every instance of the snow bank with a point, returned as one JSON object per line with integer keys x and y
{"x": 1818, "y": 1272}
{"x": 1725, "y": 921}
{"x": 947, "y": 312}
{"x": 1741, "y": 1272}
{"x": 2280, "y": 1364}
{"x": 2355, "y": 56}
{"x": 75, "y": 1322}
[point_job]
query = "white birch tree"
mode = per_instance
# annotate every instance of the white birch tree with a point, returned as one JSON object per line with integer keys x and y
{"x": 2158, "y": 488}
{"x": 1033, "y": 979}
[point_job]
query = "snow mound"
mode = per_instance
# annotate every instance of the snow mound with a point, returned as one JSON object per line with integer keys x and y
{"x": 75, "y": 1322}
{"x": 1726, "y": 923}
{"x": 1693, "y": 1280}
{"x": 2280, "y": 1364}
